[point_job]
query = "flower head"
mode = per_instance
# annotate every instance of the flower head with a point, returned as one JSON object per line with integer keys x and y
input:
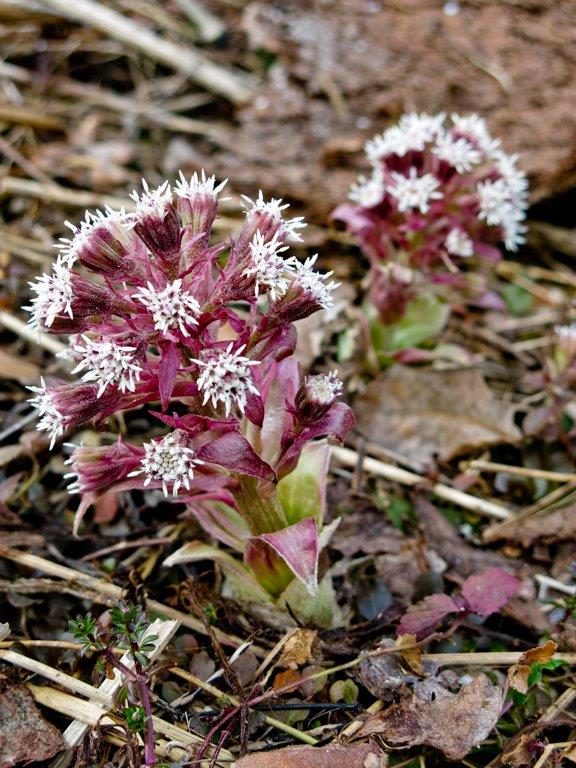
{"x": 150, "y": 202}
{"x": 225, "y": 377}
{"x": 459, "y": 244}
{"x": 54, "y": 296}
{"x": 266, "y": 265}
{"x": 170, "y": 461}
{"x": 458, "y": 152}
{"x": 108, "y": 363}
{"x": 437, "y": 190}
{"x": 314, "y": 283}
{"x": 274, "y": 208}
{"x": 172, "y": 308}
{"x": 70, "y": 248}
{"x": 414, "y": 191}
{"x": 368, "y": 192}
{"x": 323, "y": 389}
{"x": 51, "y": 419}
{"x": 199, "y": 185}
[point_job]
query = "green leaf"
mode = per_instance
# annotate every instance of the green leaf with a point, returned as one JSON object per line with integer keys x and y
{"x": 302, "y": 493}
{"x": 536, "y": 669}
{"x": 518, "y": 300}
{"x": 425, "y": 317}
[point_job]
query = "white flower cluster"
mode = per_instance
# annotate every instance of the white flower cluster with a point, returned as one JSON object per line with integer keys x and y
{"x": 467, "y": 146}
{"x": 314, "y": 283}
{"x": 51, "y": 420}
{"x": 107, "y": 363}
{"x": 70, "y": 247}
{"x": 225, "y": 377}
{"x": 199, "y": 184}
{"x": 267, "y": 266}
{"x": 170, "y": 461}
{"x": 54, "y": 296}
{"x": 172, "y": 308}
{"x": 458, "y": 243}
{"x": 323, "y": 388}
{"x": 150, "y": 202}
{"x": 274, "y": 207}
{"x": 413, "y": 191}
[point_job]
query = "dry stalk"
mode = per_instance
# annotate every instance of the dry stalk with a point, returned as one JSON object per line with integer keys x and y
{"x": 236, "y": 87}
{"x": 397, "y": 475}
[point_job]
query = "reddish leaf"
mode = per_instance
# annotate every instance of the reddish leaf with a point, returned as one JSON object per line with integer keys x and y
{"x": 423, "y": 618}
{"x": 488, "y": 592}
{"x": 169, "y": 366}
{"x": 234, "y": 452}
{"x": 295, "y": 547}
{"x": 336, "y": 424}
{"x": 368, "y": 755}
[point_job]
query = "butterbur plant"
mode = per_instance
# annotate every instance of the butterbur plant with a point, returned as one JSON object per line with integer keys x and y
{"x": 128, "y": 631}
{"x": 441, "y": 203}
{"x": 203, "y": 333}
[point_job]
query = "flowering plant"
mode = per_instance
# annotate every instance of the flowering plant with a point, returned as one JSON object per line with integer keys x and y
{"x": 205, "y": 331}
{"x": 433, "y": 214}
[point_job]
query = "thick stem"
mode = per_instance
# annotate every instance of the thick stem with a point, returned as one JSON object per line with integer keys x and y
{"x": 259, "y": 506}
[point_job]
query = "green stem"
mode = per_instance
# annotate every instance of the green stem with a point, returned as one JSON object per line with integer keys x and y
{"x": 259, "y": 506}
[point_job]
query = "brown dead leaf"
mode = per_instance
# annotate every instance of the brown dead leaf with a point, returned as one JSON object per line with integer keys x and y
{"x": 411, "y": 655}
{"x": 25, "y": 736}
{"x": 384, "y": 676}
{"x": 423, "y": 414}
{"x": 289, "y": 677}
{"x": 367, "y": 755}
{"x": 518, "y": 673}
{"x": 539, "y": 655}
{"x": 298, "y": 649}
{"x": 452, "y": 723}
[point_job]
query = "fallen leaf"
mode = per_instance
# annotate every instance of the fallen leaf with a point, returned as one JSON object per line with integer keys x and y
{"x": 541, "y": 654}
{"x": 298, "y": 649}
{"x": 384, "y": 676}
{"x": 422, "y": 618}
{"x": 488, "y": 592}
{"x": 367, "y": 755}
{"x": 411, "y": 655}
{"x": 423, "y": 414}
{"x": 25, "y": 736}
{"x": 433, "y": 716}
{"x": 519, "y": 673}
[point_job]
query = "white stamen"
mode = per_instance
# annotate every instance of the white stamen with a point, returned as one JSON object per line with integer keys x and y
{"x": 414, "y": 191}
{"x": 108, "y": 364}
{"x": 172, "y": 308}
{"x": 169, "y": 461}
{"x": 267, "y": 266}
{"x": 54, "y": 296}
{"x": 225, "y": 377}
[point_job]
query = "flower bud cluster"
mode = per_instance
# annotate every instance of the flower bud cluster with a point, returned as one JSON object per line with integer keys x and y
{"x": 440, "y": 203}
{"x": 161, "y": 315}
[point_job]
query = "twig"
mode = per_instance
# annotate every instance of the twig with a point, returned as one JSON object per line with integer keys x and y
{"x": 472, "y": 503}
{"x": 544, "y": 474}
{"x": 90, "y": 714}
{"x": 209, "y": 26}
{"x": 218, "y": 694}
{"x": 56, "y": 676}
{"x": 20, "y": 328}
{"x": 547, "y": 582}
{"x": 108, "y": 590}
{"x": 561, "y": 703}
{"x": 233, "y": 86}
